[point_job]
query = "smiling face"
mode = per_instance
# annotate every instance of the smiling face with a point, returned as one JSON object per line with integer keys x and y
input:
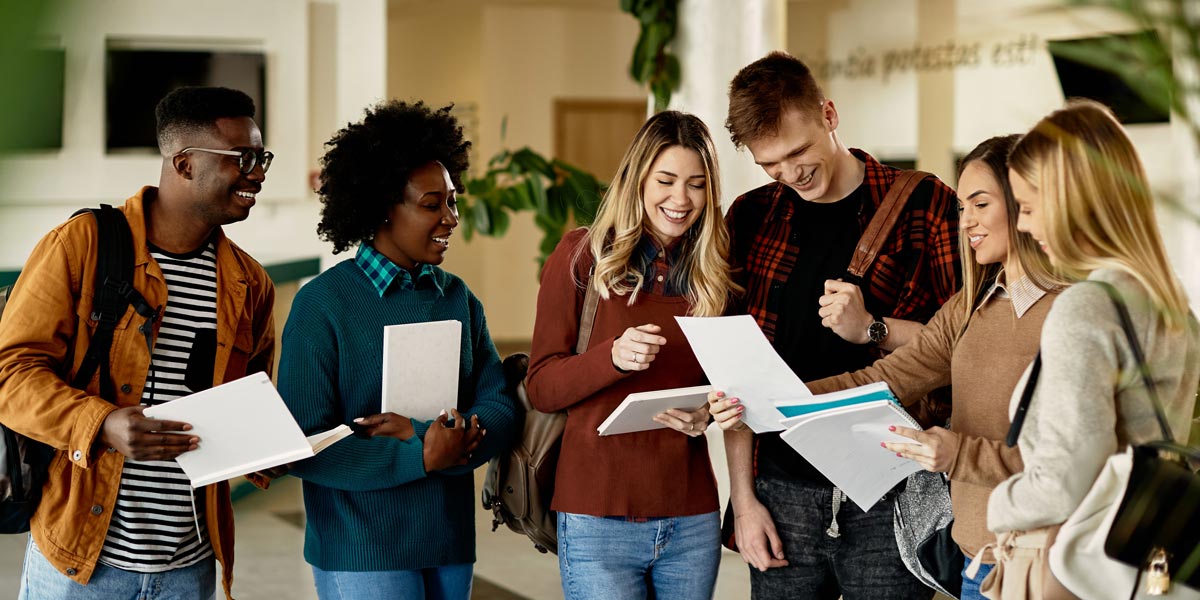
{"x": 674, "y": 193}
{"x": 419, "y": 227}
{"x": 803, "y": 154}
{"x": 984, "y": 217}
{"x": 222, "y": 193}
{"x": 1030, "y": 217}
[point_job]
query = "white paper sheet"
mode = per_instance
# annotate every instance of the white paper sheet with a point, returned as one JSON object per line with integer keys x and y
{"x": 637, "y": 411}
{"x": 843, "y": 443}
{"x": 243, "y": 427}
{"x": 738, "y": 359}
{"x": 420, "y": 368}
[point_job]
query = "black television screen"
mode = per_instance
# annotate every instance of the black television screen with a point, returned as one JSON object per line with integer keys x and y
{"x": 33, "y": 108}
{"x": 1106, "y": 68}
{"x": 137, "y": 79}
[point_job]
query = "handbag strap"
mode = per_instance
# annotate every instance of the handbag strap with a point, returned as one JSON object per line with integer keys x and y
{"x": 587, "y": 318}
{"x": 1014, "y": 431}
{"x": 1018, "y": 421}
{"x": 884, "y": 221}
{"x": 1136, "y": 348}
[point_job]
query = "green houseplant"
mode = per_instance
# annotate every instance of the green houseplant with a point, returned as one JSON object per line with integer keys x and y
{"x": 560, "y": 196}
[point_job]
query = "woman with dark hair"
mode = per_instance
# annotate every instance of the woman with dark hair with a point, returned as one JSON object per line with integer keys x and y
{"x": 637, "y": 512}
{"x": 979, "y": 342}
{"x": 390, "y": 514}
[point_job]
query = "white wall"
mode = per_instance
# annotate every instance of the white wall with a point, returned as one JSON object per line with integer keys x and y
{"x": 41, "y": 190}
{"x": 511, "y": 61}
{"x": 1010, "y": 83}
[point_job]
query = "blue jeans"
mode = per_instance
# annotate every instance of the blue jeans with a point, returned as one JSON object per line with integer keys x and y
{"x": 970, "y": 588}
{"x": 861, "y": 563}
{"x": 673, "y": 558}
{"x": 41, "y": 581}
{"x": 452, "y": 582}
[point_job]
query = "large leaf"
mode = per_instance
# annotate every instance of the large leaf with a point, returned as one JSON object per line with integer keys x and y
{"x": 532, "y": 162}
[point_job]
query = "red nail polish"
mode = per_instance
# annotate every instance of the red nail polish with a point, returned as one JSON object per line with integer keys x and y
{"x": 898, "y": 455}
{"x": 891, "y": 427}
{"x": 720, "y": 394}
{"x": 883, "y": 444}
{"x": 741, "y": 408}
{"x": 734, "y": 400}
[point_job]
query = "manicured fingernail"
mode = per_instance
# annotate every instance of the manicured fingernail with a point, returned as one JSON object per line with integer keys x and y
{"x": 741, "y": 408}
{"x": 883, "y": 444}
{"x": 735, "y": 400}
{"x": 358, "y": 420}
{"x": 891, "y": 427}
{"x": 898, "y": 455}
{"x": 720, "y": 394}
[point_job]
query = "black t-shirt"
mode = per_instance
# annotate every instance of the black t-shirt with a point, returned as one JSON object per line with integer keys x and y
{"x": 826, "y": 235}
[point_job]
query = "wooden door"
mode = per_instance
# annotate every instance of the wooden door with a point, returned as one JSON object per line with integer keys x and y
{"x": 593, "y": 134}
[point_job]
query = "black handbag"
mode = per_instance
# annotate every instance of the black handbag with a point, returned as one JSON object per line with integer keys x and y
{"x": 1157, "y": 526}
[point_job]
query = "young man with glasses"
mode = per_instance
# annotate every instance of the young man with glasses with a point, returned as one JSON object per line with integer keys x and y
{"x": 118, "y": 518}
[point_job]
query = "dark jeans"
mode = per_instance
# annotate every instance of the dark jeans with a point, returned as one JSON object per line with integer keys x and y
{"x": 862, "y": 563}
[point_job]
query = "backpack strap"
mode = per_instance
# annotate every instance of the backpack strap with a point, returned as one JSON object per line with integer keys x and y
{"x": 587, "y": 318}
{"x": 114, "y": 294}
{"x": 884, "y": 221}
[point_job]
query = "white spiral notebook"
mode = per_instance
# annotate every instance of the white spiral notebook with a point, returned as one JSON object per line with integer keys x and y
{"x": 841, "y": 439}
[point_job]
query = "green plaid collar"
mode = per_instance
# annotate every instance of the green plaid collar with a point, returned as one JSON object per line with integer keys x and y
{"x": 383, "y": 272}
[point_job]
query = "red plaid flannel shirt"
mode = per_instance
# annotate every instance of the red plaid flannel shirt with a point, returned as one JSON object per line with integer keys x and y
{"x": 915, "y": 272}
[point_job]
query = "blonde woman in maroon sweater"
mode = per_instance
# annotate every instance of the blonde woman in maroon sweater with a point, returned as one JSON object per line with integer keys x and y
{"x": 979, "y": 342}
{"x": 637, "y": 512}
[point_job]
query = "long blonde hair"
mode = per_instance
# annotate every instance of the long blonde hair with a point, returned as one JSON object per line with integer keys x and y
{"x": 621, "y": 220}
{"x": 1097, "y": 206}
{"x": 992, "y": 154}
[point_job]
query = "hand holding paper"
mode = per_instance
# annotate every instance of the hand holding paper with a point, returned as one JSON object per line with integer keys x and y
{"x": 738, "y": 360}
{"x": 642, "y": 411}
{"x": 243, "y": 427}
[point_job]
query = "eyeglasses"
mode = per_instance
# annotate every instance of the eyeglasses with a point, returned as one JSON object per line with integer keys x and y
{"x": 247, "y": 158}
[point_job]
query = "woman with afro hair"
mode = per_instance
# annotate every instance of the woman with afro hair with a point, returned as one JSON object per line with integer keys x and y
{"x": 390, "y": 514}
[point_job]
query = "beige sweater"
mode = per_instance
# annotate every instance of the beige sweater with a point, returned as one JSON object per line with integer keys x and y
{"x": 982, "y": 368}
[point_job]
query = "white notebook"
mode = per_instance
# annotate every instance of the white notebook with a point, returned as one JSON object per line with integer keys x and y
{"x": 420, "y": 368}
{"x": 243, "y": 427}
{"x": 637, "y": 411}
{"x": 843, "y": 443}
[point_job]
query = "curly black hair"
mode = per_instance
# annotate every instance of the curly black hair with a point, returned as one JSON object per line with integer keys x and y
{"x": 367, "y": 164}
{"x": 191, "y": 108}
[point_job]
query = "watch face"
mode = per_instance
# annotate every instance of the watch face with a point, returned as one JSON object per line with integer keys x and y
{"x": 877, "y": 331}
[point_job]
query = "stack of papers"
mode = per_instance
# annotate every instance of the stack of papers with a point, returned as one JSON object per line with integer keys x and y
{"x": 839, "y": 434}
{"x": 243, "y": 427}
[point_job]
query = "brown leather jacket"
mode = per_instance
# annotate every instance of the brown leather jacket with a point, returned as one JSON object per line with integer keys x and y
{"x": 43, "y": 336}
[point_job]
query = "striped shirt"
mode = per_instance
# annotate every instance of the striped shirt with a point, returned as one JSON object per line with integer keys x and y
{"x": 1023, "y": 293}
{"x": 158, "y": 523}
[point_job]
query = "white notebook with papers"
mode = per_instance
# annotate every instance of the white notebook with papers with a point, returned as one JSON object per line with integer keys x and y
{"x": 839, "y": 434}
{"x": 243, "y": 427}
{"x": 637, "y": 411}
{"x": 420, "y": 368}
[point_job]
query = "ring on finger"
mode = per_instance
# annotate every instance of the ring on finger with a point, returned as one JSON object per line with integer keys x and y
{"x": 636, "y": 359}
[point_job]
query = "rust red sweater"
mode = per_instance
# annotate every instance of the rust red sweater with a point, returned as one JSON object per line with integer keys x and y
{"x": 660, "y": 473}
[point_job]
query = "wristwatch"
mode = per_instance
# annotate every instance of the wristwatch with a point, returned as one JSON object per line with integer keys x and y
{"x": 877, "y": 331}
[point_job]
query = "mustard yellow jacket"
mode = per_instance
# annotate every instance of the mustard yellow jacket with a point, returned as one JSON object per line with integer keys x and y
{"x": 44, "y": 334}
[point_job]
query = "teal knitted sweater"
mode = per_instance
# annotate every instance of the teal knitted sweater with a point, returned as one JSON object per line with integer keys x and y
{"x": 370, "y": 504}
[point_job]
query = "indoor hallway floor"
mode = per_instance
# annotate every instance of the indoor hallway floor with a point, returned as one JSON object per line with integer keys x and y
{"x": 270, "y": 564}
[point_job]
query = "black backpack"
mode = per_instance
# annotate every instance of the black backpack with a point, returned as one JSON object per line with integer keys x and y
{"x": 23, "y": 461}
